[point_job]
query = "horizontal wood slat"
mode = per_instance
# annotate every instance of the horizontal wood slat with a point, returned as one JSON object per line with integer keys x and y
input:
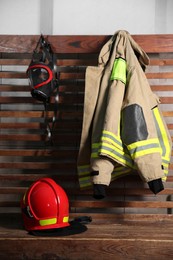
{"x": 110, "y": 218}
{"x": 25, "y": 156}
{"x": 79, "y": 62}
{"x": 45, "y": 152}
{"x": 162, "y": 88}
{"x": 160, "y": 75}
{"x": 39, "y": 165}
{"x": 122, "y": 204}
{"x": 107, "y": 204}
{"x": 39, "y": 114}
{"x": 82, "y": 43}
{"x": 128, "y": 192}
{"x": 161, "y": 62}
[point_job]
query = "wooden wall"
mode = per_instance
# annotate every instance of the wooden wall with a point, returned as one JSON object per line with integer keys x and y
{"x": 24, "y": 155}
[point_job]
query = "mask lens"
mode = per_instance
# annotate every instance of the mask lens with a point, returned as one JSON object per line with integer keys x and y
{"x": 38, "y": 76}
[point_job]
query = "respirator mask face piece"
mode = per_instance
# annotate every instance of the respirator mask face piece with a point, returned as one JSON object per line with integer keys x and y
{"x": 41, "y": 80}
{"x": 42, "y": 72}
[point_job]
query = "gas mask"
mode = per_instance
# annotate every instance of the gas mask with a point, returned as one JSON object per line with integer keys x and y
{"x": 43, "y": 79}
{"x": 42, "y": 72}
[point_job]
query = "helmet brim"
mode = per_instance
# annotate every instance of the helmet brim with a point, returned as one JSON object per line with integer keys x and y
{"x": 73, "y": 229}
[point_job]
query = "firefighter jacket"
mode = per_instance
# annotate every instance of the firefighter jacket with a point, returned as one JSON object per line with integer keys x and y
{"x": 123, "y": 128}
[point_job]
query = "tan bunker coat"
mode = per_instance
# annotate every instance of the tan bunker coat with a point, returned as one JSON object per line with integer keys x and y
{"x": 123, "y": 129}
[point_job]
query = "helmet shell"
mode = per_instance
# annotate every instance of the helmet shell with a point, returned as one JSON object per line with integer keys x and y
{"x": 45, "y": 205}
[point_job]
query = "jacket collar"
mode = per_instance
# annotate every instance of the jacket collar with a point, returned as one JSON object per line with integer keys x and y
{"x": 139, "y": 52}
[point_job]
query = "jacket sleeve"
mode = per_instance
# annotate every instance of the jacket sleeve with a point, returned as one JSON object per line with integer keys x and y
{"x": 92, "y": 79}
{"x": 139, "y": 128}
{"x": 107, "y": 148}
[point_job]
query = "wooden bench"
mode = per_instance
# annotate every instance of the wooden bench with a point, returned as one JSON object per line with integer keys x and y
{"x": 131, "y": 222}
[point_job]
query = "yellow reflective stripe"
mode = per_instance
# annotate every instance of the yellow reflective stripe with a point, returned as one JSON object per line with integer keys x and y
{"x": 164, "y": 178}
{"x": 145, "y": 152}
{"x": 119, "y": 70}
{"x": 85, "y": 182}
{"x": 45, "y": 222}
{"x": 112, "y": 134}
{"x": 165, "y": 172}
{"x": 142, "y": 148}
{"x": 94, "y": 155}
{"x": 142, "y": 143}
{"x": 162, "y": 134}
{"x": 65, "y": 219}
{"x": 83, "y": 170}
{"x": 84, "y": 176}
{"x": 166, "y": 165}
{"x": 111, "y": 141}
{"x": 118, "y": 155}
{"x": 112, "y": 138}
{"x": 95, "y": 145}
{"x": 112, "y": 151}
{"x": 119, "y": 172}
{"x": 166, "y": 168}
{"x": 164, "y": 141}
{"x": 95, "y": 149}
{"x": 111, "y": 147}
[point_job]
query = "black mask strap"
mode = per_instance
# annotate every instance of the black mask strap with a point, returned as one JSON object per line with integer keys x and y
{"x": 43, "y": 49}
{"x": 50, "y": 125}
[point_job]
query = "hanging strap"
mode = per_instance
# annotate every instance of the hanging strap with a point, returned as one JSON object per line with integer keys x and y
{"x": 50, "y": 125}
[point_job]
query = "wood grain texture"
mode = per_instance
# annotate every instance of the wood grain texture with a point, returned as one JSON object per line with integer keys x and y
{"x": 127, "y": 240}
{"x": 26, "y": 157}
{"x": 81, "y": 44}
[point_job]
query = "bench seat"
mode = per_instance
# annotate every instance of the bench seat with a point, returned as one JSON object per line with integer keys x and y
{"x": 122, "y": 240}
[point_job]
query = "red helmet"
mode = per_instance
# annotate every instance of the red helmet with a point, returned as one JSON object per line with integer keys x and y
{"x": 45, "y": 205}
